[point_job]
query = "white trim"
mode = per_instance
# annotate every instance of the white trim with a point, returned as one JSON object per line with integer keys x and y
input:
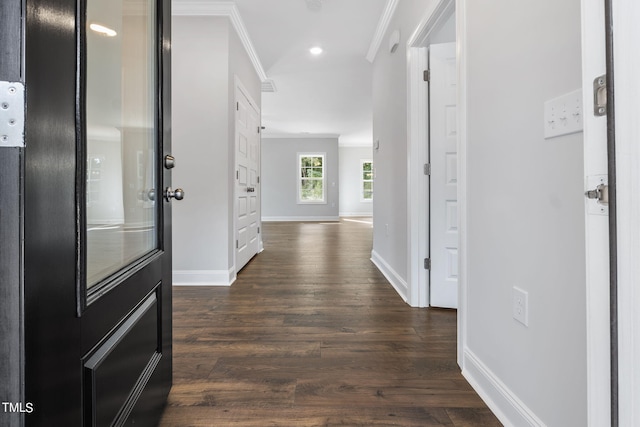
{"x": 391, "y": 275}
{"x": 362, "y": 181}
{"x": 505, "y": 405}
{"x": 627, "y": 107}
{"x": 300, "y": 218}
{"x": 356, "y": 214}
{"x": 204, "y": 277}
{"x": 596, "y": 227}
{"x": 435, "y": 15}
{"x": 222, "y": 8}
{"x": 381, "y": 29}
{"x": 418, "y": 182}
{"x": 463, "y": 263}
{"x": 299, "y": 178}
{"x": 300, "y": 135}
{"x": 418, "y": 155}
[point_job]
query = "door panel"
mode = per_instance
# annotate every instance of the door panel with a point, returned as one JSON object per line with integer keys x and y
{"x": 247, "y": 182}
{"x": 444, "y": 172}
{"x": 98, "y": 329}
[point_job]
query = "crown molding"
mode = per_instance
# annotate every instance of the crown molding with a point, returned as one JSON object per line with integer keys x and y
{"x": 383, "y": 25}
{"x": 221, "y": 8}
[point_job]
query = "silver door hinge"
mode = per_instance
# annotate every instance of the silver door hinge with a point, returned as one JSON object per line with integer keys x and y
{"x": 11, "y": 114}
{"x": 258, "y": 180}
{"x": 427, "y": 168}
{"x": 426, "y": 75}
{"x": 258, "y": 230}
{"x": 258, "y": 129}
{"x": 427, "y": 263}
{"x": 237, "y": 174}
{"x": 237, "y": 106}
{"x": 600, "y": 96}
{"x": 237, "y": 245}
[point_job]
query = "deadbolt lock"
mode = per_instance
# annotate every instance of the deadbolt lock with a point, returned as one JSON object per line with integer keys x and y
{"x": 169, "y": 161}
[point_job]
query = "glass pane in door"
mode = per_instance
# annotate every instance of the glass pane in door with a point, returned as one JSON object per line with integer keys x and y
{"x": 120, "y": 117}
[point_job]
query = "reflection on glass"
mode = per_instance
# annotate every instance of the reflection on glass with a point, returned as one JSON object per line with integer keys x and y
{"x": 121, "y": 134}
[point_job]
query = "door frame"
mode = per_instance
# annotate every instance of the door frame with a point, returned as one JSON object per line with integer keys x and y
{"x": 11, "y": 226}
{"x": 601, "y": 388}
{"x": 627, "y": 134}
{"x": 418, "y": 151}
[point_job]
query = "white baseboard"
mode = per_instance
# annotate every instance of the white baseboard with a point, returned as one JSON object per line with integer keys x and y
{"x": 204, "y": 277}
{"x": 399, "y": 284}
{"x": 356, "y": 214}
{"x": 299, "y": 218}
{"x": 509, "y": 409}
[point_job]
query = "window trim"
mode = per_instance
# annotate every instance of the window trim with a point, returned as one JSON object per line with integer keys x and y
{"x": 299, "y": 178}
{"x": 362, "y": 180}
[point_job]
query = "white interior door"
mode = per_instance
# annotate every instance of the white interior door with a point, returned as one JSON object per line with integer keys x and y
{"x": 444, "y": 175}
{"x": 596, "y": 219}
{"x": 247, "y": 179}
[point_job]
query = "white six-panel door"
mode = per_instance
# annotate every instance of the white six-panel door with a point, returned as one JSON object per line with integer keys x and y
{"x": 444, "y": 183}
{"x": 247, "y": 179}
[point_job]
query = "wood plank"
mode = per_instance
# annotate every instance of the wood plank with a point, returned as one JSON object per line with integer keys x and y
{"x": 311, "y": 334}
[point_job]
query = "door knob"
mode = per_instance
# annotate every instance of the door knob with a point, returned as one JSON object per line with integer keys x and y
{"x": 177, "y": 194}
{"x": 251, "y": 189}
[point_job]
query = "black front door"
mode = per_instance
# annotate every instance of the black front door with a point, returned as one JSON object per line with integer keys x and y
{"x": 97, "y": 224}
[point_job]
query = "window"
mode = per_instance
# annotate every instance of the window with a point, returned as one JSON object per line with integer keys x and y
{"x": 311, "y": 178}
{"x": 366, "y": 170}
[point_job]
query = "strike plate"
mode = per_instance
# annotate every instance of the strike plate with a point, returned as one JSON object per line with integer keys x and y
{"x": 11, "y": 114}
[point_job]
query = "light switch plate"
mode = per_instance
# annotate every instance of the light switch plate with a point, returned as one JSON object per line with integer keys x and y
{"x": 563, "y": 115}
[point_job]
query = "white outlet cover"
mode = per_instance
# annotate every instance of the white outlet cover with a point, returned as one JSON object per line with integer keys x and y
{"x": 520, "y": 304}
{"x": 563, "y": 115}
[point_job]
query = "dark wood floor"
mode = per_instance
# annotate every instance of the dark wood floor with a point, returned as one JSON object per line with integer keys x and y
{"x": 311, "y": 334}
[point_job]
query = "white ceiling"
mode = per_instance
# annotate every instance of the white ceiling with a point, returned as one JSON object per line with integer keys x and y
{"x": 325, "y": 94}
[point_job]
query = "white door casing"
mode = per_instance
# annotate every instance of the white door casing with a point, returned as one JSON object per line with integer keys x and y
{"x": 626, "y": 33}
{"x": 436, "y": 15}
{"x": 444, "y": 182}
{"x": 247, "y": 188}
{"x": 596, "y": 220}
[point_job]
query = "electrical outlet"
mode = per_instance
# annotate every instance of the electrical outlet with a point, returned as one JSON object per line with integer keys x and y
{"x": 521, "y": 306}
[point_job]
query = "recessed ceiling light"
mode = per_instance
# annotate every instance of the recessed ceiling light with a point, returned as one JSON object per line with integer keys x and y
{"x": 316, "y": 50}
{"x": 101, "y": 29}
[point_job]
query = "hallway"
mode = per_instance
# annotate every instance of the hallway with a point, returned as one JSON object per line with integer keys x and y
{"x": 311, "y": 334}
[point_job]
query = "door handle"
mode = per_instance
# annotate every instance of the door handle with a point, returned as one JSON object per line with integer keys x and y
{"x": 177, "y": 194}
{"x": 251, "y": 189}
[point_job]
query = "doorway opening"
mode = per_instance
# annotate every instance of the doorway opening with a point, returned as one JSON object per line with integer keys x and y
{"x": 433, "y": 91}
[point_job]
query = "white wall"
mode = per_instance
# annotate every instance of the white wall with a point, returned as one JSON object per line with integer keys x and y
{"x": 528, "y": 230}
{"x": 525, "y": 203}
{"x": 390, "y": 160}
{"x": 206, "y": 54}
{"x": 280, "y": 175}
{"x": 351, "y": 203}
